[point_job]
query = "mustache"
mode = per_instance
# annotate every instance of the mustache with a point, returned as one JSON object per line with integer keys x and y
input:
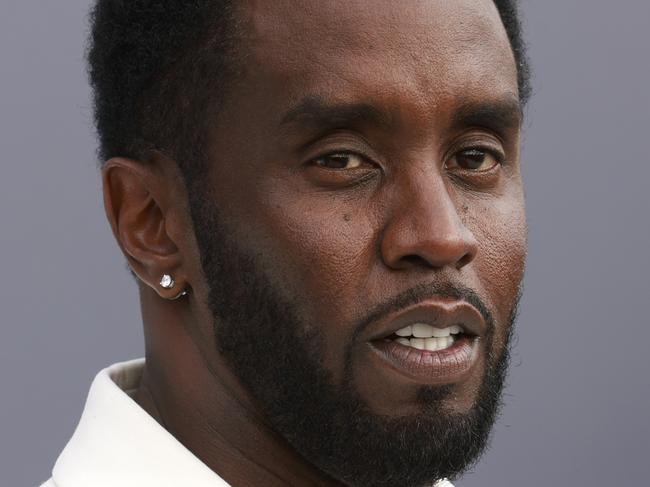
{"x": 424, "y": 292}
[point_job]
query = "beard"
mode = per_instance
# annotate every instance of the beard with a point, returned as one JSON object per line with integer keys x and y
{"x": 278, "y": 358}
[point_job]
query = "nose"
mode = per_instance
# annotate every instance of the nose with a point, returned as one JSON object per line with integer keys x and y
{"x": 425, "y": 230}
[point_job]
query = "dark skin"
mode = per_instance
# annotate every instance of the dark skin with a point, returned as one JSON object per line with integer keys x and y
{"x": 364, "y": 149}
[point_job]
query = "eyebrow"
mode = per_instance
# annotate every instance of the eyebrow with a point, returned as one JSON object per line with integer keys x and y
{"x": 499, "y": 114}
{"x": 315, "y": 112}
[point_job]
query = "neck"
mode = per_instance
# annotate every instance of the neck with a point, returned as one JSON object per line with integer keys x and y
{"x": 188, "y": 389}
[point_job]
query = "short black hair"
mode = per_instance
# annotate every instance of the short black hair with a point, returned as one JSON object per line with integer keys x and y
{"x": 159, "y": 70}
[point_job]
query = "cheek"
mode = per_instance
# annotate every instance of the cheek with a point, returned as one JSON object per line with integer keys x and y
{"x": 500, "y": 228}
{"x": 325, "y": 254}
{"x": 325, "y": 251}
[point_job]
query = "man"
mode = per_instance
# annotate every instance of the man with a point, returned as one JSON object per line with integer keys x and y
{"x": 323, "y": 206}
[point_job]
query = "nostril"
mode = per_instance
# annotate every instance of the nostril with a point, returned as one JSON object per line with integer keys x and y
{"x": 418, "y": 261}
{"x": 415, "y": 260}
{"x": 464, "y": 260}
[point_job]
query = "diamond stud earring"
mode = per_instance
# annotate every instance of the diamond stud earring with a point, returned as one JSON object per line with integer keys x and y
{"x": 167, "y": 282}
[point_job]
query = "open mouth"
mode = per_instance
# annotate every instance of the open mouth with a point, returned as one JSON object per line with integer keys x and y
{"x": 429, "y": 354}
{"x": 422, "y": 336}
{"x": 434, "y": 342}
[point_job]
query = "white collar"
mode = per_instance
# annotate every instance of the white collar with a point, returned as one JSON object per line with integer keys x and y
{"x": 119, "y": 443}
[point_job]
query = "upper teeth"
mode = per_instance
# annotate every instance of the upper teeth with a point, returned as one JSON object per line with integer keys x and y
{"x": 422, "y": 330}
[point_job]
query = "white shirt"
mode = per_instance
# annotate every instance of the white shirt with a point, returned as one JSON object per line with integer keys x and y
{"x": 117, "y": 443}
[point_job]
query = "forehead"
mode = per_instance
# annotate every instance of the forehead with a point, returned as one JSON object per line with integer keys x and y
{"x": 431, "y": 50}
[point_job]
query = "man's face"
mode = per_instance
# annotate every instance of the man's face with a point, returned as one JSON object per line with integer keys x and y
{"x": 364, "y": 176}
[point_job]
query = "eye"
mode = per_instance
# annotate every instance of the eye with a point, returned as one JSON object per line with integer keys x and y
{"x": 475, "y": 160}
{"x": 340, "y": 161}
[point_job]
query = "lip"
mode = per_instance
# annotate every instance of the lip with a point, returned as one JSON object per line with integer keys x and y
{"x": 439, "y": 313}
{"x": 448, "y": 366}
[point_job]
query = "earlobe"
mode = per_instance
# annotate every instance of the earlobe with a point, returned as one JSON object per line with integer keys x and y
{"x": 135, "y": 204}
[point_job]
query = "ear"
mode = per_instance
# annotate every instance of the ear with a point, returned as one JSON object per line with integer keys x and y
{"x": 137, "y": 200}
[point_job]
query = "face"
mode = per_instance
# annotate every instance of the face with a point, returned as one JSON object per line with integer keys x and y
{"x": 362, "y": 230}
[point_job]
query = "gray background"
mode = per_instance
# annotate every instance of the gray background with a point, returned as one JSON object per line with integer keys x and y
{"x": 579, "y": 395}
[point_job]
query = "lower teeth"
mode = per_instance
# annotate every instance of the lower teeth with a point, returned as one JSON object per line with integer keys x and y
{"x": 430, "y": 344}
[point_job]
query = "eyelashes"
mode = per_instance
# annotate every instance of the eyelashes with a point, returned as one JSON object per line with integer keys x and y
{"x": 341, "y": 161}
{"x": 476, "y": 159}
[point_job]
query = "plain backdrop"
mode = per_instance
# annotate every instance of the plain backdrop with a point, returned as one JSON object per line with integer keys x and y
{"x": 579, "y": 394}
